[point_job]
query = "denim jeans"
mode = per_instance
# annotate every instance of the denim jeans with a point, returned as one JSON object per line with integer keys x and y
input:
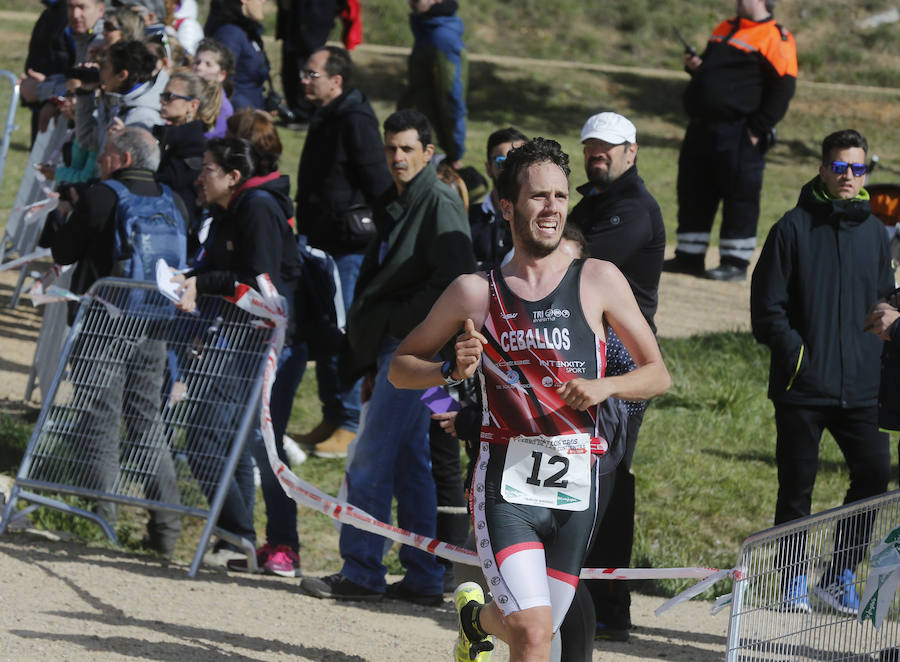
{"x": 208, "y": 448}
{"x": 392, "y": 458}
{"x": 281, "y": 510}
{"x": 340, "y": 408}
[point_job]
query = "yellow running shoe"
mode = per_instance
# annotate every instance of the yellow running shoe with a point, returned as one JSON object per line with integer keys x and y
{"x": 467, "y": 649}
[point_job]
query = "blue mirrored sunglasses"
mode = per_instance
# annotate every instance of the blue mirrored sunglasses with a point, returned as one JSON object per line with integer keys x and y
{"x": 840, "y": 167}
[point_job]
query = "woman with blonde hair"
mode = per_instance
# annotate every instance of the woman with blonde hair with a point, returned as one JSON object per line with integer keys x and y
{"x": 189, "y": 106}
{"x": 122, "y": 24}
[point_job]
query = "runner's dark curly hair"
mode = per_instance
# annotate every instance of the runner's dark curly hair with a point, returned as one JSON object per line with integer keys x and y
{"x": 536, "y": 150}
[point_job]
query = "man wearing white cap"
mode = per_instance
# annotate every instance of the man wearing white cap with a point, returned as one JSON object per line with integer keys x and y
{"x": 622, "y": 224}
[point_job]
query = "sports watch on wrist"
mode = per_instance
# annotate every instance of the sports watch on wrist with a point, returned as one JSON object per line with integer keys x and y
{"x": 447, "y": 374}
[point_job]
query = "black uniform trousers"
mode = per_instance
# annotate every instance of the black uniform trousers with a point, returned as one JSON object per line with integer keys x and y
{"x": 719, "y": 163}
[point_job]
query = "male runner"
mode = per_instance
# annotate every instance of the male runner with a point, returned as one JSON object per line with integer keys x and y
{"x": 541, "y": 350}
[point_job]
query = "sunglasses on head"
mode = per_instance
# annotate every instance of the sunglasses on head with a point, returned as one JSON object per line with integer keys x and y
{"x": 166, "y": 97}
{"x": 840, "y": 167}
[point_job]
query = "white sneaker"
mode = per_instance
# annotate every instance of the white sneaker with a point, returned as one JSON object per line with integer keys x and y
{"x": 295, "y": 454}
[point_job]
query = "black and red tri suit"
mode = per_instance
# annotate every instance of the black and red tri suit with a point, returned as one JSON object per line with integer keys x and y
{"x": 531, "y": 556}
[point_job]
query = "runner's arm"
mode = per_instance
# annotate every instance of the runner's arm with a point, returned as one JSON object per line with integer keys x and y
{"x": 460, "y": 308}
{"x": 605, "y": 292}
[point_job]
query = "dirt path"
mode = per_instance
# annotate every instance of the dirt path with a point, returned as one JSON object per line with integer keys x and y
{"x": 64, "y": 601}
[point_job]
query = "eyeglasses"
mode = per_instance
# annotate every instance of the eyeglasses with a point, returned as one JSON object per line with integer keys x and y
{"x": 310, "y": 74}
{"x": 840, "y": 167}
{"x": 110, "y": 27}
{"x": 166, "y": 97}
{"x": 499, "y": 161}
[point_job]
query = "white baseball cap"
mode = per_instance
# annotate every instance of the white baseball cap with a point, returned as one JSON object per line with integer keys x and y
{"x": 609, "y": 127}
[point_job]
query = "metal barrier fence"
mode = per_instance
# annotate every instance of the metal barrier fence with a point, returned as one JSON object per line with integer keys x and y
{"x": 32, "y": 204}
{"x": 10, "y": 124}
{"x": 50, "y": 343}
{"x": 770, "y": 623}
{"x": 148, "y": 407}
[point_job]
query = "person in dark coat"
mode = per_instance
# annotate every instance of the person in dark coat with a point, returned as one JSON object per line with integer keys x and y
{"x": 185, "y": 105}
{"x": 127, "y": 387}
{"x": 491, "y": 234}
{"x": 342, "y": 172}
{"x": 60, "y": 40}
{"x": 238, "y": 25}
{"x": 822, "y": 268}
{"x": 249, "y": 236}
{"x": 622, "y": 223}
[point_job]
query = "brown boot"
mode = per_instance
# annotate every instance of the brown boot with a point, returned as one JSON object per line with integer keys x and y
{"x": 317, "y": 435}
{"x": 336, "y": 445}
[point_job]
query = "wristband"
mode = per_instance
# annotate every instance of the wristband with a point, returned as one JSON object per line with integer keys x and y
{"x": 447, "y": 374}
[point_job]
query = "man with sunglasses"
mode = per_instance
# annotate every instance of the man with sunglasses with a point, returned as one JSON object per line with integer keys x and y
{"x": 491, "y": 236}
{"x": 822, "y": 268}
{"x": 342, "y": 172}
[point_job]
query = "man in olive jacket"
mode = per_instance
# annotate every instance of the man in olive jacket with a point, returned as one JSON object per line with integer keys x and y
{"x": 823, "y": 266}
{"x": 422, "y": 245}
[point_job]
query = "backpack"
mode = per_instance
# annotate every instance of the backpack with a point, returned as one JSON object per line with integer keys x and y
{"x": 324, "y": 321}
{"x": 147, "y": 228}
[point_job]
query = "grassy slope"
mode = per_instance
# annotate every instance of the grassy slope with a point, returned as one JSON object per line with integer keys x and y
{"x": 705, "y": 467}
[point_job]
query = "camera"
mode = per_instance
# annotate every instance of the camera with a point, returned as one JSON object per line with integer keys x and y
{"x": 84, "y": 74}
{"x": 275, "y": 104}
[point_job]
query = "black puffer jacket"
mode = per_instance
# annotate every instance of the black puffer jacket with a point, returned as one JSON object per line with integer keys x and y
{"x": 822, "y": 267}
{"x": 252, "y": 236}
{"x": 342, "y": 166}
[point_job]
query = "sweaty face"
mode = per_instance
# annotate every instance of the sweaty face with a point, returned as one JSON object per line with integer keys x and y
{"x": 539, "y": 215}
{"x": 406, "y": 157}
{"x": 83, "y": 14}
{"x": 846, "y": 185}
{"x": 605, "y": 162}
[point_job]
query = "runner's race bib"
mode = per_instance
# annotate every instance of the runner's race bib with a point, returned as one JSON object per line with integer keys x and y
{"x": 551, "y": 472}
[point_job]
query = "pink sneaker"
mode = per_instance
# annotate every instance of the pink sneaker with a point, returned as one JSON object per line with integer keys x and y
{"x": 283, "y": 561}
{"x": 240, "y": 565}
